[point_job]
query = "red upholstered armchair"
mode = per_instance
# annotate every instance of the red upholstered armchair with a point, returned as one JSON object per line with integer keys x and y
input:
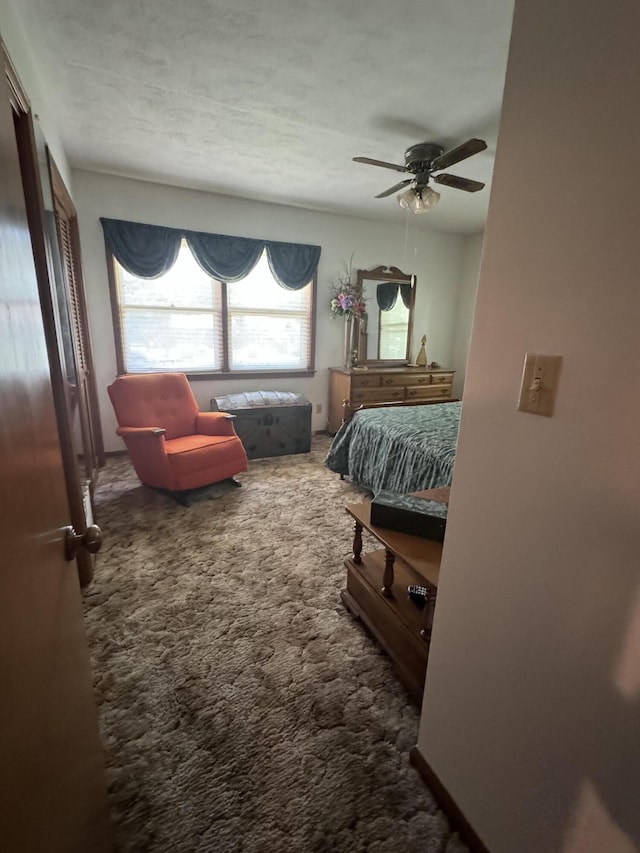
{"x": 171, "y": 443}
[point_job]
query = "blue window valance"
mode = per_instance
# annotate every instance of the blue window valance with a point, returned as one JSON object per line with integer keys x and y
{"x": 387, "y": 294}
{"x": 149, "y": 251}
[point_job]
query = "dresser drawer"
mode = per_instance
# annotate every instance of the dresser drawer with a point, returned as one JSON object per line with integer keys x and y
{"x": 376, "y": 395}
{"x": 441, "y": 378}
{"x": 415, "y": 379}
{"x": 365, "y": 380}
{"x": 395, "y": 380}
{"x": 428, "y": 392}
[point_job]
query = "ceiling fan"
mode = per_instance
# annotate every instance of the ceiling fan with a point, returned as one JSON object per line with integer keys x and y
{"x": 422, "y": 160}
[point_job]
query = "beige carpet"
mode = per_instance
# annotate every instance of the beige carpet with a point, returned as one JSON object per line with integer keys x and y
{"x": 242, "y": 709}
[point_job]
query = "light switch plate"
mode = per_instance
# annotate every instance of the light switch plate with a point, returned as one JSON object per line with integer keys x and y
{"x": 540, "y": 379}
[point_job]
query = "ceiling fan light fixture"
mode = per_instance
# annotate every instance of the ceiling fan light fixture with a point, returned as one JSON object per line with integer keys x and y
{"x": 406, "y": 198}
{"x": 418, "y": 200}
{"x": 429, "y": 198}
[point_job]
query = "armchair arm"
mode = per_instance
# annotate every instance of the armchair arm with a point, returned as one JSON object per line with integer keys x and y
{"x": 139, "y": 432}
{"x": 146, "y": 446}
{"x": 215, "y": 423}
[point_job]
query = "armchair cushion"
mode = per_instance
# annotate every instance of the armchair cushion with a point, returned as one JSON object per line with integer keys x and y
{"x": 194, "y": 457}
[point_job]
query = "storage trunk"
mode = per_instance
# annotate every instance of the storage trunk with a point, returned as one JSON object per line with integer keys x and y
{"x": 269, "y": 423}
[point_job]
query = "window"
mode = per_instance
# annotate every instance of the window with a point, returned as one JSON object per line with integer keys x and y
{"x": 393, "y": 331}
{"x": 189, "y": 322}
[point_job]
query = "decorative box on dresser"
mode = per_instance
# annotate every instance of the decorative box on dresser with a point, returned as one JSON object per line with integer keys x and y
{"x": 382, "y": 385}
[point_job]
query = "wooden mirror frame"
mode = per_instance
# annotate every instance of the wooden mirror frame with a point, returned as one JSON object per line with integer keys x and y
{"x": 387, "y": 274}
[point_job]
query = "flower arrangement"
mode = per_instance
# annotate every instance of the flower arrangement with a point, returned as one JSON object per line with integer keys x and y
{"x": 346, "y": 297}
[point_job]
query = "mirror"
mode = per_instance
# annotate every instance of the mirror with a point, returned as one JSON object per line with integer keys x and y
{"x": 385, "y": 328}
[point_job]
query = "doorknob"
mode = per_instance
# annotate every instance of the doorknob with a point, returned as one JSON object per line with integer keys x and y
{"x": 91, "y": 539}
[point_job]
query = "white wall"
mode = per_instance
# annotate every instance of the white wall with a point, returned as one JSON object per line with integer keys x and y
{"x": 435, "y": 258}
{"x": 41, "y": 98}
{"x": 465, "y": 309}
{"x": 532, "y": 701}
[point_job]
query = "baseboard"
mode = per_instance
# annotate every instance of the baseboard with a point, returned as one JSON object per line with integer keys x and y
{"x": 446, "y": 802}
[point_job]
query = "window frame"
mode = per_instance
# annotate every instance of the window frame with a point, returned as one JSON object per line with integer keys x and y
{"x": 224, "y": 372}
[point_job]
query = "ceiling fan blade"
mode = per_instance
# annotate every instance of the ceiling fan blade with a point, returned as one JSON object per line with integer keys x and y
{"x": 459, "y": 183}
{"x": 394, "y": 189}
{"x": 380, "y": 163}
{"x": 460, "y": 152}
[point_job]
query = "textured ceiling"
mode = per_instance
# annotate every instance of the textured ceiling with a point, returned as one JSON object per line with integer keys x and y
{"x": 271, "y": 100}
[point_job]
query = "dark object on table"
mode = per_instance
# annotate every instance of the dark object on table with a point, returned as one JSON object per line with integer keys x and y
{"x": 269, "y": 423}
{"x": 418, "y": 594}
{"x": 410, "y": 514}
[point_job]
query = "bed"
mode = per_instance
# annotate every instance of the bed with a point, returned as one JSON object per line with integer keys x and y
{"x": 399, "y": 449}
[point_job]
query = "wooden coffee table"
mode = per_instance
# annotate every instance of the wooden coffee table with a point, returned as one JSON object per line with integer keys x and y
{"x": 376, "y": 590}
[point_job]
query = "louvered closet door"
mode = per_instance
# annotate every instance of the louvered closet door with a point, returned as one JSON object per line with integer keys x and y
{"x": 78, "y": 392}
{"x": 81, "y": 389}
{"x": 63, "y": 225}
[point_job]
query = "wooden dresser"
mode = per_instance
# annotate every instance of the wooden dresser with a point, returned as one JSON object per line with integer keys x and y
{"x": 380, "y": 385}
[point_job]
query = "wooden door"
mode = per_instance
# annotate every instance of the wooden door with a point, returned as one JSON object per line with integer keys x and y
{"x": 52, "y": 790}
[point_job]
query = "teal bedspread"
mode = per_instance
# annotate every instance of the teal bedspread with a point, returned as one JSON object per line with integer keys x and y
{"x": 399, "y": 449}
